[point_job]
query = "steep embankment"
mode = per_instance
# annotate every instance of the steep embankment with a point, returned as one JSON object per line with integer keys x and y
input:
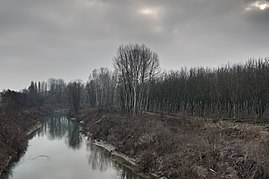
{"x": 14, "y": 131}
{"x": 186, "y": 148}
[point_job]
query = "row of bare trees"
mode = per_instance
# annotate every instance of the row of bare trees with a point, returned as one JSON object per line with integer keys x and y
{"x": 53, "y": 92}
{"x": 137, "y": 84}
{"x": 101, "y": 88}
{"x": 236, "y": 91}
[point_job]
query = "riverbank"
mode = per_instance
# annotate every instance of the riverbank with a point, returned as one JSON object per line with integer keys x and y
{"x": 179, "y": 147}
{"x": 14, "y": 132}
{"x": 122, "y": 159}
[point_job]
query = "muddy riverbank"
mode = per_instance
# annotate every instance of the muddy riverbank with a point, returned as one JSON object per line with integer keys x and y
{"x": 14, "y": 132}
{"x": 178, "y": 147}
{"x": 121, "y": 158}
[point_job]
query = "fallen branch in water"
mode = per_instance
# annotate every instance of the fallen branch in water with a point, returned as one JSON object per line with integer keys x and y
{"x": 41, "y": 156}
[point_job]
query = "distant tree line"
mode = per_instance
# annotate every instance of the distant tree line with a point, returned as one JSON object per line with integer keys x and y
{"x": 235, "y": 91}
{"x": 137, "y": 84}
{"x": 12, "y": 102}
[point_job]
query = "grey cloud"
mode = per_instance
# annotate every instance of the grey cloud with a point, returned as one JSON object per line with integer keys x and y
{"x": 68, "y": 38}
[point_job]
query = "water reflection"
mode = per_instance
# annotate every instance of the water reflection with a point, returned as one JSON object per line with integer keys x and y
{"x": 59, "y": 150}
{"x": 100, "y": 160}
{"x": 59, "y": 127}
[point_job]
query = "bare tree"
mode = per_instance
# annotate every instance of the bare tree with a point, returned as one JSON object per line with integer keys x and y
{"x": 136, "y": 66}
{"x": 57, "y": 89}
{"x": 74, "y": 93}
{"x": 101, "y": 88}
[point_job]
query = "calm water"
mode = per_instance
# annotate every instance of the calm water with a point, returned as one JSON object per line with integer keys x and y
{"x": 59, "y": 151}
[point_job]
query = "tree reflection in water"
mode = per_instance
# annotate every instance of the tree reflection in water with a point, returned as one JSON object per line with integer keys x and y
{"x": 59, "y": 127}
{"x": 74, "y": 138}
{"x": 98, "y": 160}
{"x": 101, "y": 160}
{"x": 84, "y": 157}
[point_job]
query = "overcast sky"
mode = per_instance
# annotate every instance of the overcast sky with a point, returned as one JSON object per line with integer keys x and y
{"x": 68, "y": 38}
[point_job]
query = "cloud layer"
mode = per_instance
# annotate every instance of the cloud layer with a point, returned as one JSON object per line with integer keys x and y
{"x": 68, "y": 38}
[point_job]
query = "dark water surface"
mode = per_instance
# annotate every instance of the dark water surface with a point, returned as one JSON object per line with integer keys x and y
{"x": 59, "y": 151}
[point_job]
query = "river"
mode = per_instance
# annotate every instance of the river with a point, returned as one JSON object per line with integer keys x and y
{"x": 59, "y": 150}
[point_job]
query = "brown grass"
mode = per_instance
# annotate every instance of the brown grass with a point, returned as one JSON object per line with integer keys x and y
{"x": 186, "y": 147}
{"x": 13, "y": 134}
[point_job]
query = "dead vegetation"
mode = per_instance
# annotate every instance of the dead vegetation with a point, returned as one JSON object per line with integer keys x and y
{"x": 13, "y": 134}
{"x": 186, "y": 148}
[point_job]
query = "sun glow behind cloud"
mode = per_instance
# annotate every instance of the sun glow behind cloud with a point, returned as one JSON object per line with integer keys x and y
{"x": 261, "y": 5}
{"x": 154, "y": 15}
{"x": 147, "y": 11}
{"x": 150, "y": 12}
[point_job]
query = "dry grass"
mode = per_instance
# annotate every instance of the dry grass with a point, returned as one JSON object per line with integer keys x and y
{"x": 186, "y": 148}
{"x": 13, "y": 130}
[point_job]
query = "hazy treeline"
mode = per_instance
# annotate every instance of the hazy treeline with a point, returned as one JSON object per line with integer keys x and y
{"x": 137, "y": 84}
